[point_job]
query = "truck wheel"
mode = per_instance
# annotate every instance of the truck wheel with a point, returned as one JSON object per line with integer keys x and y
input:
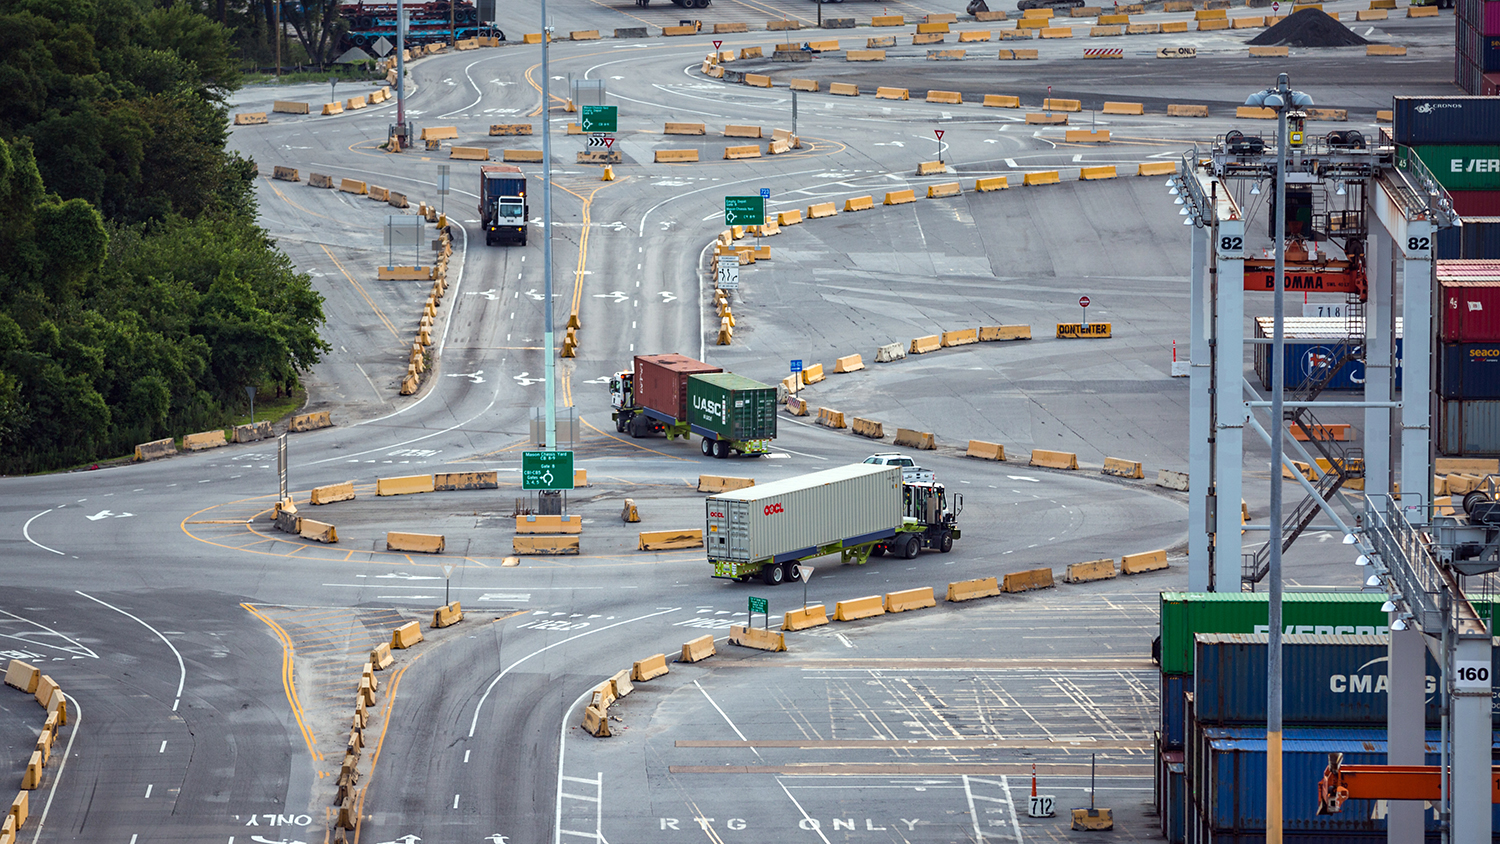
{"x": 793, "y": 573}
{"x": 946, "y": 543}
{"x": 721, "y": 449}
{"x": 619, "y": 423}
{"x": 912, "y": 546}
{"x": 708, "y": 447}
{"x": 878, "y": 550}
{"x": 772, "y": 575}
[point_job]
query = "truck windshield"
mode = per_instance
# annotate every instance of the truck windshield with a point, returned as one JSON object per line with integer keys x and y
{"x": 512, "y": 209}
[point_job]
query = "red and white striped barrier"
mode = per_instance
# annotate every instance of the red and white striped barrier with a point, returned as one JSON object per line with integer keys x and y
{"x": 1104, "y": 53}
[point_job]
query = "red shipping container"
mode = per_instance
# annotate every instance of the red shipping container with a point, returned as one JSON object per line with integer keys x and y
{"x": 661, "y": 382}
{"x": 1489, "y": 85}
{"x": 1469, "y": 301}
{"x": 1476, "y": 203}
{"x": 1490, "y": 15}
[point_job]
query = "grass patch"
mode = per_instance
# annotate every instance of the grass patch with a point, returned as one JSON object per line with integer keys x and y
{"x": 267, "y": 406}
{"x": 355, "y": 74}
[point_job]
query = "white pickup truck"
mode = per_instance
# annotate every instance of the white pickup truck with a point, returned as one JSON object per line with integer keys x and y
{"x": 910, "y": 471}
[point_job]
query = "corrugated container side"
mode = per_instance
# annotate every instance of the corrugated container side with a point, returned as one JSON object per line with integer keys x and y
{"x": 1448, "y": 243}
{"x": 1175, "y": 831}
{"x": 793, "y": 516}
{"x": 661, "y": 382}
{"x": 1463, "y": 166}
{"x": 1469, "y": 428}
{"x": 1445, "y": 120}
{"x": 1479, "y": 238}
{"x": 1303, "y": 358}
{"x": 1489, "y": 84}
{"x": 1491, "y": 17}
{"x": 1470, "y": 309}
{"x": 732, "y": 406}
{"x": 1476, "y": 203}
{"x": 1173, "y": 705}
{"x": 1184, "y": 614}
{"x": 1469, "y": 370}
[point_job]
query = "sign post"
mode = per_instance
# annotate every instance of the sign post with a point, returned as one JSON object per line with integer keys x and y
{"x": 729, "y": 273}
{"x": 796, "y": 379}
{"x": 805, "y": 572}
{"x": 758, "y": 605}
{"x": 745, "y": 210}
{"x": 442, "y": 187}
{"x": 939, "y": 133}
{"x": 546, "y": 470}
{"x": 1083, "y": 302}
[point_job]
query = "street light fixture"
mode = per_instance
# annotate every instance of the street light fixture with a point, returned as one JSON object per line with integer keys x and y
{"x": 1282, "y": 99}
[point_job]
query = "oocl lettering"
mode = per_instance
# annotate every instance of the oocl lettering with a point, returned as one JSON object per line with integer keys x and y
{"x": 774, "y": 508}
{"x": 713, "y": 515}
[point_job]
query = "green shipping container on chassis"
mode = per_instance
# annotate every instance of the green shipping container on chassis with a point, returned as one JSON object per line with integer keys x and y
{"x": 731, "y": 407}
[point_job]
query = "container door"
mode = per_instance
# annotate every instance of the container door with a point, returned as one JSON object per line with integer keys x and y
{"x": 716, "y": 529}
{"x": 739, "y": 531}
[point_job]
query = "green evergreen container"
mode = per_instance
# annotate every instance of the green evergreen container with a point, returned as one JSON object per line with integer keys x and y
{"x": 731, "y": 407}
{"x": 1322, "y": 613}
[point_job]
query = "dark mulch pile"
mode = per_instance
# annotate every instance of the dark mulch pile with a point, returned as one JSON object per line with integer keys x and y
{"x": 1308, "y": 28}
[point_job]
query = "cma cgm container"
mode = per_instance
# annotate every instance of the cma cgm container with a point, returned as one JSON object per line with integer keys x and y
{"x": 1469, "y": 370}
{"x": 771, "y": 526}
{"x": 661, "y": 383}
{"x": 1418, "y": 121}
{"x": 1183, "y": 614}
{"x": 1329, "y": 680}
{"x": 733, "y": 410}
{"x": 1469, "y": 428}
{"x": 1311, "y": 346}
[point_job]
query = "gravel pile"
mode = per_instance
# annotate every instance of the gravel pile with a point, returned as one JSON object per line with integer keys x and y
{"x": 1308, "y": 28}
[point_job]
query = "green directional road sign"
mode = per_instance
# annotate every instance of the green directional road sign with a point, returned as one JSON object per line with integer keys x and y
{"x": 760, "y": 605}
{"x": 744, "y": 210}
{"x": 599, "y": 118}
{"x": 546, "y": 470}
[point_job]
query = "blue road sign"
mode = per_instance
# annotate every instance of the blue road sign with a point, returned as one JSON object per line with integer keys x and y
{"x": 796, "y": 366}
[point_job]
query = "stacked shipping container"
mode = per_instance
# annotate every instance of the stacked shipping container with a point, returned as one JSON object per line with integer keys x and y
{"x": 1456, "y": 137}
{"x": 1474, "y": 238}
{"x": 1468, "y": 357}
{"x": 1478, "y": 45}
{"x": 1311, "y": 343}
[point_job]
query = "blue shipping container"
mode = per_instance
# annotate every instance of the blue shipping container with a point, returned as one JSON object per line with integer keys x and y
{"x": 1311, "y": 354}
{"x": 1176, "y": 812}
{"x": 1174, "y": 709}
{"x": 1334, "y": 680}
{"x": 1445, "y": 120}
{"x": 1469, "y": 370}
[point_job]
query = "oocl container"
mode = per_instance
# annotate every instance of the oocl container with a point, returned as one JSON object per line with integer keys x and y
{"x": 731, "y": 406}
{"x": 791, "y": 519}
{"x": 1312, "y": 347}
{"x": 1469, "y": 301}
{"x": 1469, "y": 428}
{"x": 1469, "y": 370}
{"x": 1183, "y": 614}
{"x": 1417, "y": 121}
{"x": 661, "y": 382}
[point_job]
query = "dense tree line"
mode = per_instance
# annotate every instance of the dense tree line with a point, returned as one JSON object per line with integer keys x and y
{"x": 138, "y": 297}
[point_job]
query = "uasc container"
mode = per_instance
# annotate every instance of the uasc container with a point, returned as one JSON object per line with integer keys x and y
{"x": 661, "y": 383}
{"x": 731, "y": 406}
{"x": 1469, "y": 370}
{"x": 794, "y": 518}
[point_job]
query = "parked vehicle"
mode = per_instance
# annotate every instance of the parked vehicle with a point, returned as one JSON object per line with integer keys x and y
{"x": 910, "y": 471}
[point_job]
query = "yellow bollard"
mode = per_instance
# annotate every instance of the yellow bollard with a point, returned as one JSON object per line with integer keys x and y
{"x": 609, "y": 173}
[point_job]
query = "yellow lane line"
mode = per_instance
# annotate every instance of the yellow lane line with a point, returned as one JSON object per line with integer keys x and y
{"x": 362, "y": 293}
{"x": 288, "y": 682}
{"x": 628, "y": 442}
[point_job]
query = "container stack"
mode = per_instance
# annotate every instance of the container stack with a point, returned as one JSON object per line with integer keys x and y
{"x": 1477, "y": 59}
{"x": 1456, "y": 137}
{"x": 1311, "y": 346}
{"x": 1476, "y": 238}
{"x": 1468, "y": 358}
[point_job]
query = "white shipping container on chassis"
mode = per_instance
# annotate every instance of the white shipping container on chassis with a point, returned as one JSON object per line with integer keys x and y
{"x": 794, "y": 519}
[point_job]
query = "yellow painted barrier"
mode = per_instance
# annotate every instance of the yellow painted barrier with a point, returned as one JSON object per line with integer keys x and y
{"x": 581, "y": 476}
{"x": 1094, "y": 570}
{"x": 1156, "y": 168}
{"x": 961, "y": 337}
{"x": 1384, "y": 50}
{"x": 1089, "y": 136}
{"x": 406, "y": 635}
{"x": 699, "y": 649}
{"x": 968, "y": 590}
{"x": 1093, "y": 174}
{"x": 1137, "y": 563}
{"x": 1114, "y": 20}
{"x": 333, "y": 108}
{"x": 858, "y": 608}
{"x": 1143, "y": 29}
{"x": 1466, "y": 466}
{"x": 1106, "y": 32}
{"x": 823, "y": 46}
{"x": 909, "y": 599}
{"x": 1339, "y": 114}
{"x": 989, "y": 333}
{"x": 285, "y": 174}
{"x": 207, "y": 439}
{"x": 439, "y": 133}
{"x": 789, "y": 218}
{"x": 380, "y": 656}
{"x": 1262, "y": 53}
{"x": 1247, "y": 23}
{"x": 522, "y": 156}
{"x": 285, "y": 107}
{"x": 671, "y": 540}
{"x": 32, "y": 778}
{"x": 676, "y": 156}
{"x": 920, "y": 440}
{"x": 944, "y": 190}
{"x": 684, "y": 129}
{"x": 1037, "y": 14}
{"x": 757, "y": 80}
{"x": 23, "y": 676}
{"x": 545, "y": 545}
{"x": 1053, "y": 459}
{"x": 470, "y": 153}
{"x": 750, "y": 151}
{"x": 867, "y": 428}
{"x": 1174, "y": 26}
{"x": 465, "y": 481}
{"x": 447, "y": 616}
{"x": 1001, "y": 101}
{"x": 1382, "y": 4}
{"x": 596, "y": 722}
{"x": 813, "y": 615}
{"x": 533, "y": 38}
{"x": 813, "y": 374}
{"x": 992, "y": 183}
{"x": 353, "y": 186}
{"x": 860, "y": 56}
{"x": 535, "y": 524}
{"x": 1047, "y": 177}
{"x": 757, "y": 638}
{"x": 928, "y": 168}
{"x": 849, "y": 363}
{"x": 1124, "y": 108}
{"x": 821, "y": 209}
{"x": 405, "y": 485}
{"x": 1026, "y": 581}
{"x": 923, "y": 345}
{"x": 928, "y": 38}
{"x": 948, "y": 97}
{"x": 1057, "y": 32}
{"x": 317, "y": 531}
{"x": 974, "y": 35}
{"x": 888, "y": 20}
{"x": 46, "y": 687}
{"x": 404, "y": 273}
{"x": 310, "y": 422}
{"x": 899, "y": 197}
{"x": 985, "y": 451}
{"x": 584, "y": 35}
{"x": 379, "y": 194}
{"x": 719, "y": 483}
{"x": 422, "y": 543}
{"x": 356, "y": 103}
{"x": 859, "y": 203}
{"x": 20, "y": 808}
{"x": 649, "y": 668}
{"x": 829, "y": 418}
{"x": 883, "y": 93}
{"x": 810, "y": 85}
{"x": 1047, "y": 119}
{"x": 1421, "y": 11}
{"x": 1123, "y": 468}
{"x": 843, "y": 89}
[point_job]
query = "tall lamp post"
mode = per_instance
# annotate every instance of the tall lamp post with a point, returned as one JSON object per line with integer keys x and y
{"x": 1281, "y": 98}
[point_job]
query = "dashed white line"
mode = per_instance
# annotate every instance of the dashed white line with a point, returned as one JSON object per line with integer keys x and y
{"x": 149, "y": 786}
{"x": 163, "y": 748}
{"x": 455, "y": 801}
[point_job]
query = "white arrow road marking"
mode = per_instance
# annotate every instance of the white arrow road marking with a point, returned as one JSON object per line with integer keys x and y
{"x": 889, "y": 144}
{"x": 602, "y": 379}
{"x": 1023, "y": 478}
{"x": 535, "y": 295}
{"x": 618, "y": 295}
{"x": 475, "y": 376}
{"x": 492, "y": 294}
{"x": 401, "y": 575}
{"x": 667, "y": 297}
{"x": 525, "y": 379}
{"x": 105, "y": 514}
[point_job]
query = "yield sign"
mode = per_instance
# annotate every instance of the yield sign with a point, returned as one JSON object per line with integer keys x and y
{"x": 718, "y": 44}
{"x": 939, "y": 133}
{"x": 609, "y": 143}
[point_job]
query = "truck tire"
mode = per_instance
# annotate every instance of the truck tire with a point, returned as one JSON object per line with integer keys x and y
{"x": 708, "y": 447}
{"x": 945, "y": 544}
{"x": 721, "y": 449}
{"x": 912, "y": 546}
{"x": 793, "y": 574}
{"x": 772, "y": 575}
{"x": 878, "y": 550}
{"x": 620, "y": 423}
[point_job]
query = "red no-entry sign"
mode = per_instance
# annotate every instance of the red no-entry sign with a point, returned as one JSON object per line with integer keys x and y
{"x": 1083, "y": 301}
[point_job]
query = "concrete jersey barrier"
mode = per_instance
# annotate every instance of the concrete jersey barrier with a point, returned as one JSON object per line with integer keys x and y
{"x": 309, "y": 422}
{"x": 813, "y": 615}
{"x": 406, "y": 485}
{"x": 1094, "y": 570}
{"x": 858, "y": 608}
{"x": 1026, "y": 581}
{"x": 671, "y": 540}
{"x": 968, "y": 590}
{"x": 920, "y": 440}
{"x": 909, "y": 599}
{"x": 422, "y": 543}
{"x": 699, "y": 649}
{"x": 757, "y": 638}
{"x": 155, "y": 449}
{"x": 649, "y": 668}
{"x": 1137, "y": 563}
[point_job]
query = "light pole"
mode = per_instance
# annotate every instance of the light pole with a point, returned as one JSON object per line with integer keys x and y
{"x": 1281, "y": 98}
{"x": 549, "y": 363}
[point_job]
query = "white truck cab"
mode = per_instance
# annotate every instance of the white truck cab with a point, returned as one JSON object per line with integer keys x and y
{"x": 910, "y": 471}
